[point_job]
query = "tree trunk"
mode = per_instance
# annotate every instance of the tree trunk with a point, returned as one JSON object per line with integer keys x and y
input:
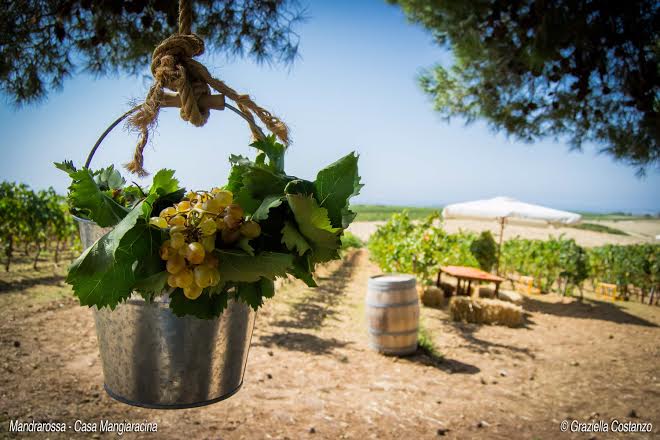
{"x": 9, "y": 251}
{"x": 36, "y": 256}
{"x": 57, "y": 252}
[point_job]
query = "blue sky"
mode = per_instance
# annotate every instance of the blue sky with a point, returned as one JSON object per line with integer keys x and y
{"x": 353, "y": 88}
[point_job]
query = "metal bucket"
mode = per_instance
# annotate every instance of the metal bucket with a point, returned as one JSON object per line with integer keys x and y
{"x": 154, "y": 359}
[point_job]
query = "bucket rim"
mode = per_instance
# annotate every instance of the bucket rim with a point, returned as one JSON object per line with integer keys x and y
{"x": 83, "y": 220}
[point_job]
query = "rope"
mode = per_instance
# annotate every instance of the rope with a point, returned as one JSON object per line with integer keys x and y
{"x": 174, "y": 68}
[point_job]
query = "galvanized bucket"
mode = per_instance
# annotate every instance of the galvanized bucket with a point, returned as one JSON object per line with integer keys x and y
{"x": 154, "y": 359}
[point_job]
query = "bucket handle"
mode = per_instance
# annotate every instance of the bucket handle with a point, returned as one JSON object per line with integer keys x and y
{"x": 216, "y": 102}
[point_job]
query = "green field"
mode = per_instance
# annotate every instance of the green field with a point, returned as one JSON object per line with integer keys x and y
{"x": 599, "y": 228}
{"x": 616, "y": 216}
{"x": 371, "y": 213}
{"x": 368, "y": 213}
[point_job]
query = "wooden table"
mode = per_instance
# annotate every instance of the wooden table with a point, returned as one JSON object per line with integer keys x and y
{"x": 467, "y": 275}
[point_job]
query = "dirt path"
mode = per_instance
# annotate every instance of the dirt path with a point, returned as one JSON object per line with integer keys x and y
{"x": 311, "y": 375}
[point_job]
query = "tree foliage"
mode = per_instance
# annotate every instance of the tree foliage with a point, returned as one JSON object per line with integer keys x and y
{"x": 420, "y": 248}
{"x": 585, "y": 71}
{"x": 484, "y": 250}
{"x": 42, "y": 42}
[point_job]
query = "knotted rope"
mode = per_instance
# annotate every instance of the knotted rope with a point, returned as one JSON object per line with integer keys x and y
{"x": 174, "y": 68}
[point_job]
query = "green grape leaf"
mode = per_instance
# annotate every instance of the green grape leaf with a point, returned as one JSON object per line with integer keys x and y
{"x": 244, "y": 244}
{"x": 251, "y": 184}
{"x": 274, "y": 150}
{"x": 164, "y": 183}
{"x": 152, "y": 284}
{"x": 314, "y": 224}
{"x": 67, "y": 166}
{"x": 250, "y": 294}
{"x": 207, "y": 306}
{"x": 109, "y": 178}
{"x": 104, "y": 274}
{"x": 253, "y": 294}
{"x": 238, "y": 266}
{"x": 267, "y": 287}
{"x": 293, "y": 240}
{"x": 272, "y": 201}
{"x": 300, "y": 186}
{"x": 86, "y": 196}
{"x": 335, "y": 185}
{"x": 302, "y": 269}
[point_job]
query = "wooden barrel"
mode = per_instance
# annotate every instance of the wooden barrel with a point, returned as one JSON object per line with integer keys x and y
{"x": 393, "y": 314}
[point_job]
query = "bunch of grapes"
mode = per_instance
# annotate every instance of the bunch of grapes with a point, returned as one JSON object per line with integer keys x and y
{"x": 194, "y": 226}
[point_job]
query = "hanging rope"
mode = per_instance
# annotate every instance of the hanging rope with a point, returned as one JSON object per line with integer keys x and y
{"x": 174, "y": 68}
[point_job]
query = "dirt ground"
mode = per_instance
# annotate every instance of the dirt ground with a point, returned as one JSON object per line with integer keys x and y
{"x": 640, "y": 231}
{"x": 310, "y": 373}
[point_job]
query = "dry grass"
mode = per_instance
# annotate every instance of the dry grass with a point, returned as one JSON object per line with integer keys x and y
{"x": 433, "y": 297}
{"x": 485, "y": 311}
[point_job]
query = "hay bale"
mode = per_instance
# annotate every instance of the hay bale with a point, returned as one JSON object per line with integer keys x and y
{"x": 510, "y": 296}
{"x": 433, "y": 297}
{"x": 485, "y": 311}
{"x": 486, "y": 292}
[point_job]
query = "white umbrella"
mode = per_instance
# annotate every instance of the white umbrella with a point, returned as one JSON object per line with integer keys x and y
{"x": 506, "y": 209}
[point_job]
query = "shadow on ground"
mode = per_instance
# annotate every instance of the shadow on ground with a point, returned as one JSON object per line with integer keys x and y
{"x": 451, "y": 366}
{"x": 26, "y": 283}
{"x": 467, "y": 332}
{"x": 310, "y": 312}
{"x": 589, "y": 309}
{"x": 320, "y": 303}
{"x": 304, "y": 342}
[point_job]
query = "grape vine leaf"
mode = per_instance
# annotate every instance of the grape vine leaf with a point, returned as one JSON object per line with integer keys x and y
{"x": 251, "y": 183}
{"x": 303, "y": 269}
{"x": 335, "y": 185}
{"x": 238, "y": 266}
{"x": 109, "y": 178}
{"x": 272, "y": 201}
{"x": 66, "y": 165}
{"x": 85, "y": 195}
{"x": 293, "y": 240}
{"x": 314, "y": 224}
{"x": 104, "y": 274}
{"x": 152, "y": 284}
{"x": 253, "y": 294}
{"x": 300, "y": 186}
{"x": 274, "y": 150}
{"x": 244, "y": 244}
{"x": 207, "y": 306}
{"x": 164, "y": 183}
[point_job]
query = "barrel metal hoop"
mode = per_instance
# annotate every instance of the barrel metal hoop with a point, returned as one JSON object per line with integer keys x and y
{"x": 377, "y": 333}
{"x": 389, "y": 289}
{"x": 392, "y": 306}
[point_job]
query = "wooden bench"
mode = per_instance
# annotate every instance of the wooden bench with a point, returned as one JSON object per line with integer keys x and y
{"x": 466, "y": 275}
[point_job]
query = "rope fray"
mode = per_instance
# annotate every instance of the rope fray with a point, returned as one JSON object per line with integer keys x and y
{"x": 174, "y": 68}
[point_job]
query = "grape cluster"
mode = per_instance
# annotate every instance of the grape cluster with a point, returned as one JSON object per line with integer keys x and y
{"x": 194, "y": 226}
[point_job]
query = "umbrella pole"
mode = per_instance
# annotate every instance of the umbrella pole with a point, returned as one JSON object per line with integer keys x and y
{"x": 499, "y": 245}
